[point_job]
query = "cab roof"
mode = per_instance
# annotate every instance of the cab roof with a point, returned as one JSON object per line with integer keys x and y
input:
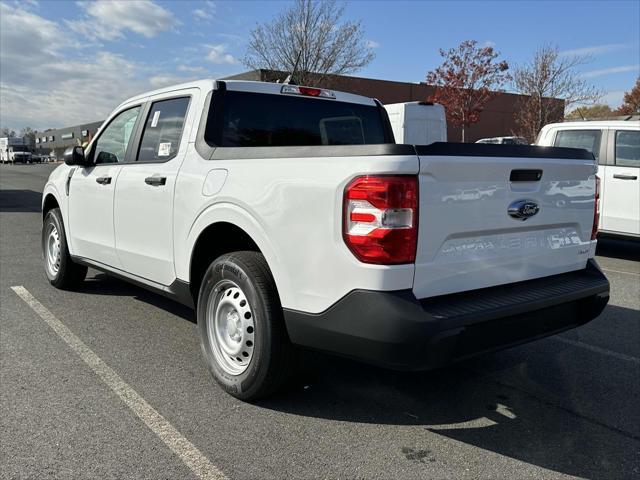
{"x": 595, "y": 124}
{"x": 245, "y": 86}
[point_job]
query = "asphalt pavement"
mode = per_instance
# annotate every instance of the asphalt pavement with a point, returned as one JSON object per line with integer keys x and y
{"x": 563, "y": 407}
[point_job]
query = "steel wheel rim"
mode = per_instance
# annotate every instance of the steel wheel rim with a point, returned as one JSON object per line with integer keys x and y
{"x": 52, "y": 250}
{"x": 230, "y": 327}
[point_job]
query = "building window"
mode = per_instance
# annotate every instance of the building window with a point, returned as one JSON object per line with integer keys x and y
{"x": 66, "y": 136}
{"x": 85, "y": 133}
{"x": 37, "y": 140}
{"x": 51, "y": 137}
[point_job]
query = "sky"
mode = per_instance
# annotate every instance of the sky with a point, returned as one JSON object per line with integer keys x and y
{"x": 64, "y": 63}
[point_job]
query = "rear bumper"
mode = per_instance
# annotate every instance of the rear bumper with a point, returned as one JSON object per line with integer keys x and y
{"x": 398, "y": 331}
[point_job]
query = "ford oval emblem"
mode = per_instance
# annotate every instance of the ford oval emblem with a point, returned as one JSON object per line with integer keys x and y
{"x": 523, "y": 209}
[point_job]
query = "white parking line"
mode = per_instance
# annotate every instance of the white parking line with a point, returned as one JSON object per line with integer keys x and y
{"x": 621, "y": 271}
{"x": 185, "y": 450}
{"x": 593, "y": 348}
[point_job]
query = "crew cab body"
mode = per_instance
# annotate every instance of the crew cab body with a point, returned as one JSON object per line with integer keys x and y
{"x": 616, "y": 147}
{"x": 375, "y": 249}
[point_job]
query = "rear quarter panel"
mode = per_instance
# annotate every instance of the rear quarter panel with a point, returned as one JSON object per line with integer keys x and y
{"x": 292, "y": 208}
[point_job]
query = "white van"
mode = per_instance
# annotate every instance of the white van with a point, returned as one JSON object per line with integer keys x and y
{"x": 417, "y": 123}
{"x": 616, "y": 147}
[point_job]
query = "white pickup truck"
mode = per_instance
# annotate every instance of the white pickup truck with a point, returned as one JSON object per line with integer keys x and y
{"x": 616, "y": 147}
{"x": 288, "y": 217}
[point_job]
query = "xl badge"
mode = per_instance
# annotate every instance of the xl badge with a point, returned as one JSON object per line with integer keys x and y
{"x": 523, "y": 209}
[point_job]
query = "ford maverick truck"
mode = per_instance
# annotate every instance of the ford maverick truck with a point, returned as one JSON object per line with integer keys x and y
{"x": 289, "y": 218}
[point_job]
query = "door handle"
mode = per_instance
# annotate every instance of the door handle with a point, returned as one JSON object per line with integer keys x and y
{"x": 622, "y": 176}
{"x": 103, "y": 180}
{"x": 155, "y": 181}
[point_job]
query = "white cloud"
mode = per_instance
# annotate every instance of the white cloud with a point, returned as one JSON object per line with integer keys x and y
{"x": 159, "y": 81}
{"x": 109, "y": 20}
{"x": 201, "y": 14}
{"x": 612, "y": 70}
{"x": 595, "y": 49}
{"x": 50, "y": 81}
{"x": 206, "y": 13}
{"x": 190, "y": 69}
{"x": 218, "y": 54}
{"x": 372, "y": 44}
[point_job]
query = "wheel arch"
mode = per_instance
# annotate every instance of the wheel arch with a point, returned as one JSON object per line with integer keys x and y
{"x": 49, "y": 202}
{"x": 224, "y": 236}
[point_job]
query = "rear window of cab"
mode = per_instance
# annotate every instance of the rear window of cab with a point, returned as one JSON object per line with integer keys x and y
{"x": 245, "y": 119}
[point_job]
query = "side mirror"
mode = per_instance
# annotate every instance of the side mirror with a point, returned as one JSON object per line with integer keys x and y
{"x": 74, "y": 156}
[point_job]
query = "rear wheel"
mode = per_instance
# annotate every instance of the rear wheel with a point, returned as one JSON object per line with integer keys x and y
{"x": 241, "y": 326}
{"x": 61, "y": 271}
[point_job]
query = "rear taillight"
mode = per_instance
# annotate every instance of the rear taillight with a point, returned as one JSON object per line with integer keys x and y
{"x": 381, "y": 218}
{"x": 596, "y": 210}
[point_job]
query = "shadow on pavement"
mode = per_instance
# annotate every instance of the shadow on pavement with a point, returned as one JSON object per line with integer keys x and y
{"x": 467, "y": 406}
{"x": 20, "y": 201}
{"x": 625, "y": 249}
{"x": 103, "y": 284}
{"x": 474, "y": 408}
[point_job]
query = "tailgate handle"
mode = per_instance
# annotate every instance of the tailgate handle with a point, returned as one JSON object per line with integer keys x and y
{"x": 622, "y": 176}
{"x": 525, "y": 175}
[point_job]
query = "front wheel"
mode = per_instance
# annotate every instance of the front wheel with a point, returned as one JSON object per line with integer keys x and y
{"x": 241, "y": 326}
{"x": 60, "y": 269}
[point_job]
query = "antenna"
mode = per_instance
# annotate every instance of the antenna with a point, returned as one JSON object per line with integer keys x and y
{"x": 289, "y": 78}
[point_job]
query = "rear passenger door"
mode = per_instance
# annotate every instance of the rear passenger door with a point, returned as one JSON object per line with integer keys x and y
{"x": 143, "y": 204}
{"x": 621, "y": 208}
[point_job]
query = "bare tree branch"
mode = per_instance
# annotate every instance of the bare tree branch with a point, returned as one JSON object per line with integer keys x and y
{"x": 549, "y": 76}
{"x": 313, "y": 31}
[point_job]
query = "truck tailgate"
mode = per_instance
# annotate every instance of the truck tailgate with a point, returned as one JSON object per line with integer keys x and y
{"x": 467, "y": 239}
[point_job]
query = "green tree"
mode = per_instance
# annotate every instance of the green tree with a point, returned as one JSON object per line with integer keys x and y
{"x": 585, "y": 113}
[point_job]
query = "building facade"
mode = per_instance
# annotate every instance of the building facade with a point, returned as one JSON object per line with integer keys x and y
{"x": 56, "y": 141}
{"x": 497, "y": 119}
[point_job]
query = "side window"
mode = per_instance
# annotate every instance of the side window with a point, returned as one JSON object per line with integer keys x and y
{"x": 587, "y": 139}
{"x": 627, "y": 148}
{"x": 162, "y": 132}
{"x": 112, "y": 144}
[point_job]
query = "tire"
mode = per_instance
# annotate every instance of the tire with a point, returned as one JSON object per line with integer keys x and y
{"x": 61, "y": 271}
{"x": 241, "y": 326}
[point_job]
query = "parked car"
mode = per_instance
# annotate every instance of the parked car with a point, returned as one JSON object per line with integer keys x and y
{"x": 504, "y": 140}
{"x": 288, "y": 217}
{"x": 417, "y": 123}
{"x": 616, "y": 147}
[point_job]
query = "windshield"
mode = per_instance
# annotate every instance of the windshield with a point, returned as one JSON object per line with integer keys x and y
{"x": 243, "y": 119}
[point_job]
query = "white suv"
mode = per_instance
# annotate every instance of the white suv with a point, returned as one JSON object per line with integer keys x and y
{"x": 616, "y": 147}
{"x": 288, "y": 217}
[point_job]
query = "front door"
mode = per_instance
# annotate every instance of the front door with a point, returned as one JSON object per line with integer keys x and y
{"x": 91, "y": 191}
{"x": 621, "y": 205}
{"x": 143, "y": 206}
